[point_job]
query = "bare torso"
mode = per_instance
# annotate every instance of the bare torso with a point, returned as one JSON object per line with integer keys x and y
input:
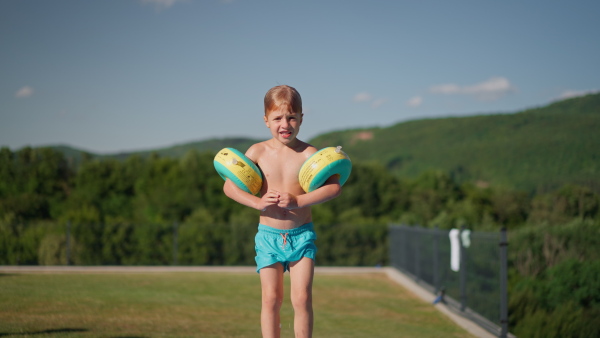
{"x": 280, "y": 165}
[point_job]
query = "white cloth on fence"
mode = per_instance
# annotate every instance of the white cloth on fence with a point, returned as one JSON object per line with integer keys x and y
{"x": 454, "y": 249}
{"x": 465, "y": 237}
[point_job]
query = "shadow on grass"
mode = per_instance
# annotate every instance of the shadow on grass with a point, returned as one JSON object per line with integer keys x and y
{"x": 50, "y": 331}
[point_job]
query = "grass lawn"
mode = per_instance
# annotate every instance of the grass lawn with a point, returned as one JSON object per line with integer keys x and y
{"x": 199, "y": 304}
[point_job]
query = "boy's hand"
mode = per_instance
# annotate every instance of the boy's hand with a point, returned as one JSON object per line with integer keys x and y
{"x": 287, "y": 201}
{"x": 268, "y": 199}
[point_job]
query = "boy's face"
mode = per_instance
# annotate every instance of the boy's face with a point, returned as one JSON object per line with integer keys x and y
{"x": 284, "y": 124}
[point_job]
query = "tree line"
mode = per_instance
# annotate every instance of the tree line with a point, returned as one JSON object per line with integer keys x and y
{"x": 161, "y": 210}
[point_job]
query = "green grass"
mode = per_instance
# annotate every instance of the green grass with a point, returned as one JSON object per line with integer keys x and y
{"x": 196, "y": 304}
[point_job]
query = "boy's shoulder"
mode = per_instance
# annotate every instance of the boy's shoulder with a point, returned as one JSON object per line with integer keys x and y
{"x": 305, "y": 149}
{"x": 256, "y": 149}
{"x": 309, "y": 150}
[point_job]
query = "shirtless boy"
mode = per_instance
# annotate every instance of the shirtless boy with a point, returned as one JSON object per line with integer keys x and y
{"x": 285, "y": 238}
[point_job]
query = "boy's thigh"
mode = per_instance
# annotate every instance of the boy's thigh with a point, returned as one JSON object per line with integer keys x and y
{"x": 271, "y": 278}
{"x": 301, "y": 274}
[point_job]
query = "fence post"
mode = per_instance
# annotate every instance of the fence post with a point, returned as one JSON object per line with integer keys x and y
{"x": 417, "y": 243}
{"x": 463, "y": 271}
{"x": 406, "y": 248}
{"x": 503, "y": 283}
{"x": 175, "y": 240}
{"x": 68, "y": 242}
{"x": 390, "y": 246}
{"x": 436, "y": 248}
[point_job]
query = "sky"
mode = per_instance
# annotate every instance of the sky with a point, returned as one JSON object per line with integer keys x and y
{"x": 125, "y": 75}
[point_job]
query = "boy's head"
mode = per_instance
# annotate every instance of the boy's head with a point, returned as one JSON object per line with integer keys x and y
{"x": 283, "y": 113}
{"x": 283, "y": 97}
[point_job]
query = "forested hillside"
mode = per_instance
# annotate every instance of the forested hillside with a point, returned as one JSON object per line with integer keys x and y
{"x": 75, "y": 156}
{"x": 535, "y": 150}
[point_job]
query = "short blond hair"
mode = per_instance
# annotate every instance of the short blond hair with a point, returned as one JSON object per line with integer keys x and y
{"x": 283, "y": 95}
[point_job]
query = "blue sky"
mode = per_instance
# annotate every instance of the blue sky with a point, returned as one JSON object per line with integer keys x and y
{"x": 119, "y": 75}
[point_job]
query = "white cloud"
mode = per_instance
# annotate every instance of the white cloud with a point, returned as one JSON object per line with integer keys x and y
{"x": 567, "y": 94}
{"x": 415, "y": 101}
{"x": 362, "y": 97}
{"x": 24, "y": 92}
{"x": 161, "y": 4}
{"x": 378, "y": 102}
{"x": 491, "y": 89}
{"x": 445, "y": 89}
{"x": 366, "y": 97}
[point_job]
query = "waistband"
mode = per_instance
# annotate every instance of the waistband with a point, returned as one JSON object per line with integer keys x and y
{"x": 294, "y": 231}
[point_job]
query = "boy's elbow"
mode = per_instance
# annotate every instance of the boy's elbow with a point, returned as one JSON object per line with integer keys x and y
{"x": 334, "y": 189}
{"x": 337, "y": 190}
{"x": 227, "y": 190}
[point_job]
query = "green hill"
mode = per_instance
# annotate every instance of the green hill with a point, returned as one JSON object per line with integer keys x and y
{"x": 537, "y": 149}
{"x": 212, "y": 145}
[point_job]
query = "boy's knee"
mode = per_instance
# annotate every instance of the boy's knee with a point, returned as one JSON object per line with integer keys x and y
{"x": 272, "y": 299}
{"x": 302, "y": 300}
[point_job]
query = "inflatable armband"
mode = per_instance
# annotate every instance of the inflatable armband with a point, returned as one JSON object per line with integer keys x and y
{"x": 232, "y": 164}
{"x": 322, "y": 165}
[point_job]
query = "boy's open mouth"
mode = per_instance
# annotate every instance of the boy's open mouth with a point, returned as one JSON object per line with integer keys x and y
{"x": 285, "y": 134}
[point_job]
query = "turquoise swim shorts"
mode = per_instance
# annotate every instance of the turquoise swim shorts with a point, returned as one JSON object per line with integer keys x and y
{"x": 284, "y": 246}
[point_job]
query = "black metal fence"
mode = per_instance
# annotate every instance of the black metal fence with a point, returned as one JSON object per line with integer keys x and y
{"x": 476, "y": 283}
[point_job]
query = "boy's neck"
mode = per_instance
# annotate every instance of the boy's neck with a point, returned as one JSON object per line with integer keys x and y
{"x": 296, "y": 143}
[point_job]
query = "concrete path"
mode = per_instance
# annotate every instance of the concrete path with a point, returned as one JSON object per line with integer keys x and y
{"x": 392, "y": 273}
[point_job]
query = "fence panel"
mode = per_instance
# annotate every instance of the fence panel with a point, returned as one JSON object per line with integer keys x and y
{"x": 476, "y": 289}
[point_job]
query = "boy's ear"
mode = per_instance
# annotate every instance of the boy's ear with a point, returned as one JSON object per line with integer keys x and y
{"x": 266, "y": 120}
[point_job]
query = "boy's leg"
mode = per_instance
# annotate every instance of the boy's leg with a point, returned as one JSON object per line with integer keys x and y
{"x": 301, "y": 278}
{"x": 271, "y": 281}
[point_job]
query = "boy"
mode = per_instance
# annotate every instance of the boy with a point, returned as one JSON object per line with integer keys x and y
{"x": 285, "y": 238}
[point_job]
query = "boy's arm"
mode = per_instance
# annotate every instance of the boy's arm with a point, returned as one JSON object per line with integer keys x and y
{"x": 259, "y": 203}
{"x": 330, "y": 190}
{"x": 249, "y": 200}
